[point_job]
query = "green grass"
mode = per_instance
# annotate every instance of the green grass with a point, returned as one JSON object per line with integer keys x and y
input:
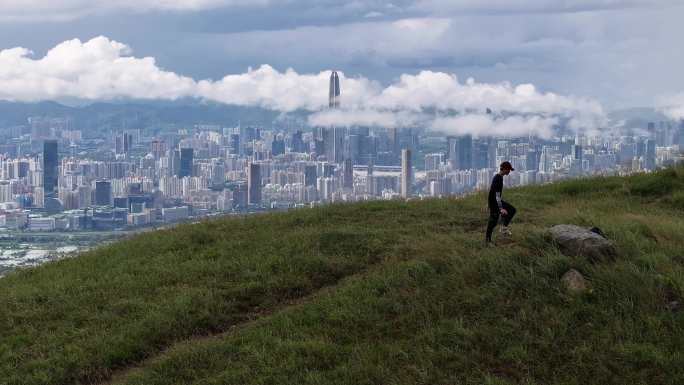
{"x": 372, "y": 293}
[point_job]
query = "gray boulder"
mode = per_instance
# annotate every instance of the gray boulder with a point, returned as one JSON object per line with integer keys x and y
{"x": 574, "y": 281}
{"x": 579, "y": 241}
{"x": 674, "y": 306}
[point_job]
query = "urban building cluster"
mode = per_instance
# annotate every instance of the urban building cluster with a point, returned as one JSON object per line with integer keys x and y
{"x": 56, "y": 178}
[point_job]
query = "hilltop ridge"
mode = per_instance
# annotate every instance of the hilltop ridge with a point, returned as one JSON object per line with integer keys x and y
{"x": 370, "y": 293}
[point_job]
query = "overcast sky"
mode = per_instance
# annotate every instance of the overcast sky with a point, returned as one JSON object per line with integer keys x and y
{"x": 619, "y": 53}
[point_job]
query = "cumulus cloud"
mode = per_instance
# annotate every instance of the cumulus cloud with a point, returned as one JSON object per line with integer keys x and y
{"x": 283, "y": 91}
{"x": 461, "y": 108}
{"x": 487, "y": 125}
{"x": 103, "y": 69}
{"x": 445, "y": 92}
{"x": 96, "y": 69}
{"x": 672, "y": 106}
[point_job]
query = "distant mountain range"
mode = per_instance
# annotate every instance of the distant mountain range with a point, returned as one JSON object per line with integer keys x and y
{"x": 136, "y": 114}
{"x": 637, "y": 117}
{"x": 143, "y": 113}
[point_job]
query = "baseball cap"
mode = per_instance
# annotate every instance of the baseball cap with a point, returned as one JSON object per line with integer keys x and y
{"x": 507, "y": 166}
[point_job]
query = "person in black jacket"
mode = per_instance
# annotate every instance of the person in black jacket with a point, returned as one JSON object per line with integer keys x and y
{"x": 497, "y": 206}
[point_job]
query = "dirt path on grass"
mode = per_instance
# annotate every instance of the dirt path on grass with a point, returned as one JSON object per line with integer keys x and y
{"x": 255, "y": 316}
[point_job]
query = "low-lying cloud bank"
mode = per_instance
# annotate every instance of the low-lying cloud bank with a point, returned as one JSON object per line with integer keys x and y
{"x": 103, "y": 69}
{"x": 673, "y": 106}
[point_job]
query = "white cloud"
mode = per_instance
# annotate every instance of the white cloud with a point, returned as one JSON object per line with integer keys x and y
{"x": 486, "y": 125}
{"x": 94, "y": 70}
{"x": 445, "y": 92}
{"x": 672, "y": 105}
{"x": 103, "y": 69}
{"x": 283, "y": 91}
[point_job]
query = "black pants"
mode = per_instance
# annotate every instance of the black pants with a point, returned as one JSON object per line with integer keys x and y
{"x": 494, "y": 217}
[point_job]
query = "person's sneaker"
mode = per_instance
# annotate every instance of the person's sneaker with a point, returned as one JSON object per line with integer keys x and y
{"x": 505, "y": 231}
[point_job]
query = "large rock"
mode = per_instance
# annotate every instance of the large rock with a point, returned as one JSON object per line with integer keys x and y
{"x": 674, "y": 306}
{"x": 579, "y": 241}
{"x": 574, "y": 281}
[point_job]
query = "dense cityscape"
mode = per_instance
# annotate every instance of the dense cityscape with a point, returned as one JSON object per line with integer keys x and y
{"x": 54, "y": 179}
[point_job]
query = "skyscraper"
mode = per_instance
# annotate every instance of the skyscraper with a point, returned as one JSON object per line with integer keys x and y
{"x": 370, "y": 185}
{"x": 451, "y": 144}
{"x": 348, "y": 178}
{"x": 480, "y": 154}
{"x": 235, "y": 144}
{"x": 406, "y": 173}
{"x": 240, "y": 194}
{"x": 577, "y": 158}
{"x": 174, "y": 162}
{"x": 254, "y": 184}
{"x": 103, "y": 193}
{"x": 532, "y": 160}
{"x": 334, "y": 144}
{"x": 394, "y": 145}
{"x": 310, "y": 175}
{"x": 460, "y": 152}
{"x": 277, "y": 147}
{"x": 650, "y": 154}
{"x": 681, "y": 137}
{"x": 127, "y": 142}
{"x": 297, "y": 143}
{"x": 334, "y": 98}
{"x": 50, "y": 164}
{"x": 123, "y": 143}
{"x": 186, "y": 158}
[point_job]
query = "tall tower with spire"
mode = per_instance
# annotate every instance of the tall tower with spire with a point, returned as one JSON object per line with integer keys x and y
{"x": 334, "y": 98}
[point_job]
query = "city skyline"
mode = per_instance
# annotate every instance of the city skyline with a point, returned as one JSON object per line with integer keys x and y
{"x": 332, "y": 138}
{"x": 60, "y": 178}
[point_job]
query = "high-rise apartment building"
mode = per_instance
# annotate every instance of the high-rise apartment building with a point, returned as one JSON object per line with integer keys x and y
{"x": 310, "y": 175}
{"x": 186, "y": 160}
{"x": 277, "y": 147}
{"x": 103, "y": 193}
{"x": 123, "y": 143}
{"x": 348, "y": 177}
{"x": 460, "y": 152}
{"x": 235, "y": 144}
{"x": 297, "y": 142}
{"x": 433, "y": 161}
{"x": 406, "y": 174}
{"x": 50, "y": 167}
{"x": 254, "y": 183}
{"x": 650, "y": 157}
{"x": 681, "y": 137}
{"x": 532, "y": 160}
{"x": 334, "y": 144}
{"x": 480, "y": 153}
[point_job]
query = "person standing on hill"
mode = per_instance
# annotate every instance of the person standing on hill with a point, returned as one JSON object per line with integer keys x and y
{"x": 497, "y": 206}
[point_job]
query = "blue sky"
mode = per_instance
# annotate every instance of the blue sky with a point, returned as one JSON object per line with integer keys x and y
{"x": 619, "y": 53}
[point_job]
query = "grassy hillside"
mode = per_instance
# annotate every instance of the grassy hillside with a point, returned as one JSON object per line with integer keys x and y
{"x": 374, "y": 293}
